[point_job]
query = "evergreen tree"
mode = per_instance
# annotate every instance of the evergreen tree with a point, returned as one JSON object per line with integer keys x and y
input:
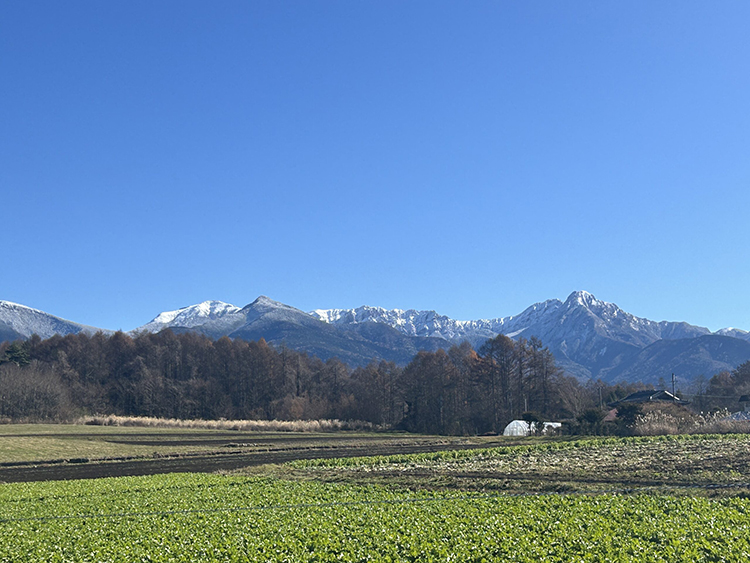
{"x": 17, "y": 353}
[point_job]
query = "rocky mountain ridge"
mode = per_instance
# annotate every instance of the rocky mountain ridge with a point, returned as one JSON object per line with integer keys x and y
{"x": 590, "y": 338}
{"x": 541, "y": 317}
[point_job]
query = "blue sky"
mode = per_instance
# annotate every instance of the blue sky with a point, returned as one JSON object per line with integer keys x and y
{"x": 467, "y": 157}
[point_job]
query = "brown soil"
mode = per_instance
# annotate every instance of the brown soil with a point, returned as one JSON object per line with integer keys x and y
{"x": 57, "y": 470}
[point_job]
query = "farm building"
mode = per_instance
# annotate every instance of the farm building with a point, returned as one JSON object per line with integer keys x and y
{"x": 523, "y": 428}
{"x": 650, "y": 396}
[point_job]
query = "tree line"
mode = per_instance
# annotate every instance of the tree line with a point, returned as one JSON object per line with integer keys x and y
{"x": 190, "y": 376}
{"x": 723, "y": 390}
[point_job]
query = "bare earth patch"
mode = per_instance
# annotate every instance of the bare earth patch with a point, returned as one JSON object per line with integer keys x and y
{"x": 606, "y": 465}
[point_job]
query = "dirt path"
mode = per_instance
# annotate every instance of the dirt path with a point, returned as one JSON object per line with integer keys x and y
{"x": 206, "y": 463}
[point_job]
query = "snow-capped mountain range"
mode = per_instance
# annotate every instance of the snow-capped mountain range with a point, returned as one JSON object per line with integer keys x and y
{"x": 19, "y": 322}
{"x": 589, "y": 337}
{"x": 541, "y": 318}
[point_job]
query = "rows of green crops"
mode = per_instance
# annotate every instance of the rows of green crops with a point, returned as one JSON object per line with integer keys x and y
{"x": 448, "y": 455}
{"x": 220, "y": 518}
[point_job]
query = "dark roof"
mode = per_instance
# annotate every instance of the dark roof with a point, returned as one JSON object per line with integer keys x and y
{"x": 650, "y": 395}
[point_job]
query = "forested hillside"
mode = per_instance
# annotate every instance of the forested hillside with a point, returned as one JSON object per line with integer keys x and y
{"x": 192, "y": 376}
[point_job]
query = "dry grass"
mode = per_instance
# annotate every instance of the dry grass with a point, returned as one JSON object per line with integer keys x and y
{"x": 660, "y": 420}
{"x": 241, "y": 425}
{"x": 722, "y": 426}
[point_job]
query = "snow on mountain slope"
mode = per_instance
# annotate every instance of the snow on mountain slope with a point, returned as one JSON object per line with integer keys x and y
{"x": 217, "y": 319}
{"x": 734, "y": 333}
{"x": 589, "y": 337}
{"x": 190, "y": 317}
{"x": 550, "y": 318}
{"x": 413, "y": 323}
{"x": 19, "y": 321}
{"x": 434, "y": 325}
{"x": 586, "y": 335}
{"x": 268, "y": 308}
{"x": 608, "y": 320}
{"x": 430, "y": 323}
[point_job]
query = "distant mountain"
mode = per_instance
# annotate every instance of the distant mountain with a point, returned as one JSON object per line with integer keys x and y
{"x": 280, "y": 324}
{"x": 195, "y": 316}
{"x": 589, "y": 338}
{"x": 20, "y": 322}
{"x": 546, "y": 318}
{"x": 687, "y": 358}
{"x": 427, "y": 324}
{"x": 734, "y": 333}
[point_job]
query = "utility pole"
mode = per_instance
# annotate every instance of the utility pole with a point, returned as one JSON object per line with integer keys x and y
{"x": 673, "y": 378}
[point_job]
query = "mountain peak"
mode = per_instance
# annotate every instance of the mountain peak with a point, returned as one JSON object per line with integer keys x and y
{"x": 589, "y": 337}
{"x": 583, "y": 298}
{"x": 734, "y": 332}
{"x": 211, "y": 306}
{"x": 264, "y": 305}
{"x": 263, "y": 301}
{"x": 190, "y": 316}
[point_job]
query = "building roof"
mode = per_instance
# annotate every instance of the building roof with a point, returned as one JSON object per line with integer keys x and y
{"x": 650, "y": 395}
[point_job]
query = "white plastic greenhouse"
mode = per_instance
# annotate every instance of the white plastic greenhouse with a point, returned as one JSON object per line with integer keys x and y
{"x": 523, "y": 428}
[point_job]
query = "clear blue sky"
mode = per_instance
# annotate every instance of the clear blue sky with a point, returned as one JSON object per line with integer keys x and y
{"x": 468, "y": 157}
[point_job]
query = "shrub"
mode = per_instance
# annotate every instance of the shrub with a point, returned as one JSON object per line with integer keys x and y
{"x": 242, "y": 425}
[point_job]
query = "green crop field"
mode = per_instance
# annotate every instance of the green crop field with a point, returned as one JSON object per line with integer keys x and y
{"x": 233, "y": 518}
{"x": 551, "y": 501}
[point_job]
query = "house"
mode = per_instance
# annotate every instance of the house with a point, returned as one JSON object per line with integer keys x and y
{"x": 650, "y": 396}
